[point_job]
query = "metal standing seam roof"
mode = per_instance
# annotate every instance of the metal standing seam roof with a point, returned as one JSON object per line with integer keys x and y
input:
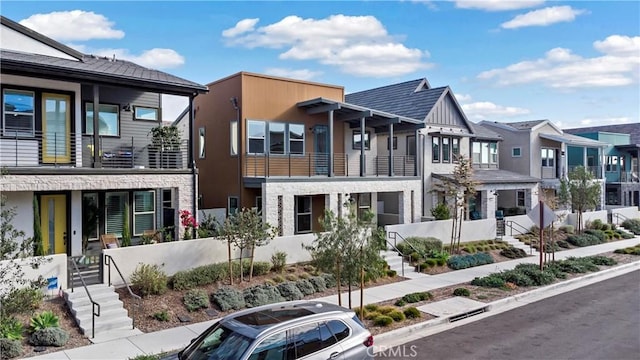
{"x": 573, "y": 140}
{"x": 632, "y": 129}
{"x": 484, "y": 133}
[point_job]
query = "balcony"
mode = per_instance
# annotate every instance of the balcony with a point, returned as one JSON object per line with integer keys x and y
{"x": 595, "y": 171}
{"x": 317, "y": 164}
{"x": 60, "y": 150}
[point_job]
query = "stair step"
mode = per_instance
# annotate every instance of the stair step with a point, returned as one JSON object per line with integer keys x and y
{"x": 108, "y": 324}
{"x": 105, "y": 316}
{"x": 109, "y": 335}
{"x": 99, "y": 298}
{"x": 85, "y": 310}
{"x": 94, "y": 290}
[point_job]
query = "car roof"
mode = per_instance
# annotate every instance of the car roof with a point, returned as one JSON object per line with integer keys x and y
{"x": 255, "y": 321}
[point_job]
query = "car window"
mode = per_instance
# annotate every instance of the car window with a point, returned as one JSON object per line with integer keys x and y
{"x": 339, "y": 329}
{"x": 271, "y": 348}
{"x": 326, "y": 336}
{"x": 220, "y": 344}
{"x": 306, "y": 339}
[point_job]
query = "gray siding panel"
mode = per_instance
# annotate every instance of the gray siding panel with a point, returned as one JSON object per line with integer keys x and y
{"x": 446, "y": 113}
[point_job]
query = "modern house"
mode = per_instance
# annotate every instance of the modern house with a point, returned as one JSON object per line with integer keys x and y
{"x": 447, "y": 135}
{"x": 293, "y": 149}
{"x": 622, "y": 177}
{"x": 76, "y": 135}
{"x": 540, "y": 149}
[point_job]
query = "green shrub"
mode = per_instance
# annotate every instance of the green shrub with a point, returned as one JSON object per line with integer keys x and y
{"x": 431, "y": 262}
{"x": 417, "y": 297}
{"x": 400, "y": 303}
{"x": 471, "y": 249}
{"x": 330, "y": 280}
{"x": 602, "y": 260}
{"x": 51, "y": 336}
{"x": 632, "y": 225}
{"x": 261, "y": 268}
{"x": 279, "y": 261}
{"x": 596, "y": 224}
{"x": 465, "y": 261}
{"x": 161, "y": 315}
{"x": 391, "y": 273}
{"x": 278, "y": 279}
{"x": 583, "y": 240}
{"x": 45, "y": 319}
{"x": 597, "y": 233}
{"x": 568, "y": 229}
{"x": 513, "y": 253}
{"x": 632, "y": 250}
{"x": 371, "y": 307}
{"x": 372, "y": 315}
{"x": 422, "y": 246}
{"x": 606, "y": 227}
{"x": 396, "y": 315}
{"x": 196, "y": 299}
{"x": 201, "y": 275}
{"x": 291, "y": 277}
{"x": 149, "y": 279}
{"x": 22, "y": 301}
{"x": 563, "y": 244}
{"x": 318, "y": 283}
{"x": 384, "y": 310}
{"x": 304, "y": 275}
{"x": 306, "y": 287}
{"x": 461, "y": 292}
{"x": 262, "y": 295}
{"x": 441, "y": 212}
{"x": 228, "y": 298}
{"x": 10, "y": 348}
{"x": 412, "y": 313}
{"x": 491, "y": 280}
{"x": 624, "y": 235}
{"x": 415, "y": 256}
{"x": 382, "y": 320}
{"x": 146, "y": 356}
{"x": 11, "y": 328}
{"x": 516, "y": 277}
{"x": 290, "y": 291}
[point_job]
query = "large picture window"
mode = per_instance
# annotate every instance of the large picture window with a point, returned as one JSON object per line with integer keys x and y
{"x": 146, "y": 113}
{"x": 303, "y": 214}
{"x": 114, "y": 212}
{"x": 18, "y": 112}
{"x": 108, "y": 118}
{"x": 296, "y": 139}
{"x": 282, "y": 138}
{"x": 548, "y": 157}
{"x": 144, "y": 215}
{"x": 611, "y": 164}
{"x": 277, "y": 138}
{"x": 357, "y": 138}
{"x": 256, "y": 133}
{"x": 484, "y": 153}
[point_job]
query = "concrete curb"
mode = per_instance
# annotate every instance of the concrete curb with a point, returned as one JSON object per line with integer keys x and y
{"x": 413, "y": 332}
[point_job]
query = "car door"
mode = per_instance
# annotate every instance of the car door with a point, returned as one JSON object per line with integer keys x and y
{"x": 314, "y": 341}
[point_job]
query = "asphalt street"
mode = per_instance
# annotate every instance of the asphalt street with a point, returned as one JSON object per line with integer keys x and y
{"x": 599, "y": 321}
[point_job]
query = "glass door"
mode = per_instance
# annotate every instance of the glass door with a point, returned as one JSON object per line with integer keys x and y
{"x": 321, "y": 143}
{"x": 56, "y": 123}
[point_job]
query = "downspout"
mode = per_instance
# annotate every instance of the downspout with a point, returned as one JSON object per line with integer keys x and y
{"x": 97, "y": 159}
{"x": 194, "y": 170}
{"x": 420, "y": 146}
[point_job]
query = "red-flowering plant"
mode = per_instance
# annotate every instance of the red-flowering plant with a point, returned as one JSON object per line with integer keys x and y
{"x": 189, "y": 223}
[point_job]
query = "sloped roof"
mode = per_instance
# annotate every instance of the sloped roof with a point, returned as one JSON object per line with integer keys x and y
{"x": 524, "y": 125}
{"x": 89, "y": 68}
{"x": 631, "y": 129}
{"x": 484, "y": 133}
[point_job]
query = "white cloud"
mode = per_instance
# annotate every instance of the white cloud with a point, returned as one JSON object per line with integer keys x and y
{"x": 73, "y": 25}
{"x": 300, "y": 74}
{"x": 358, "y": 45}
{"x": 543, "y": 17}
{"x": 485, "y": 110}
{"x": 605, "y": 120}
{"x": 463, "y": 97}
{"x": 156, "y": 58}
{"x": 172, "y": 106}
{"x": 241, "y": 27}
{"x": 560, "y": 68}
{"x": 496, "y": 5}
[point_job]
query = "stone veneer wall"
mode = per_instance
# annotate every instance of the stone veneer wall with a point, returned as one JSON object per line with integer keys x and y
{"x": 289, "y": 189}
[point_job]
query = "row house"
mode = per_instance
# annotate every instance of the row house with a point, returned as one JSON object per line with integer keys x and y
{"x": 447, "y": 135}
{"x": 622, "y": 180}
{"x": 541, "y": 150}
{"x": 293, "y": 149}
{"x": 76, "y": 135}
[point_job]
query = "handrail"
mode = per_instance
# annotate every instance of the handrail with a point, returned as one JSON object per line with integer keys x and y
{"x": 399, "y": 252}
{"x": 108, "y": 260}
{"x": 395, "y": 246}
{"x": 618, "y": 216}
{"x": 510, "y": 224}
{"x": 94, "y": 304}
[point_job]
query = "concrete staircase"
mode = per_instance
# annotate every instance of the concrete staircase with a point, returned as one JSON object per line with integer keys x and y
{"x": 394, "y": 260}
{"x": 113, "y": 321}
{"x": 520, "y": 245}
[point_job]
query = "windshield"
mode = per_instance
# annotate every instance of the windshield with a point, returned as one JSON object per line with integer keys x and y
{"x": 219, "y": 344}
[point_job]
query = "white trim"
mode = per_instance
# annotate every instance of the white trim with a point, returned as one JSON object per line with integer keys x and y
{"x": 519, "y": 149}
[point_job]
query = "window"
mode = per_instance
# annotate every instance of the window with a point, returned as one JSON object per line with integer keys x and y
{"x": 232, "y": 205}
{"x": 277, "y": 138}
{"x": 233, "y": 138}
{"x": 18, "y": 119}
{"x": 144, "y": 214}
{"x": 516, "y": 152}
{"x": 356, "y": 140}
{"x": 455, "y": 149}
{"x": 484, "y": 153}
{"x": 363, "y": 203}
{"x": 547, "y": 156}
{"x": 274, "y": 347}
{"x": 201, "y": 139}
{"x": 446, "y": 156}
{"x": 220, "y": 343}
{"x": 520, "y": 198}
{"x": 108, "y": 118}
{"x": 296, "y": 139}
{"x": 256, "y": 133}
{"x": 435, "y": 149}
{"x": 411, "y": 145}
{"x": 146, "y": 113}
{"x": 395, "y": 143}
{"x": 166, "y": 198}
{"x": 611, "y": 163}
{"x": 303, "y": 214}
{"x": 493, "y": 153}
{"x": 114, "y": 212}
{"x": 338, "y": 329}
{"x": 259, "y": 204}
{"x": 90, "y": 214}
{"x": 307, "y": 340}
{"x": 475, "y": 152}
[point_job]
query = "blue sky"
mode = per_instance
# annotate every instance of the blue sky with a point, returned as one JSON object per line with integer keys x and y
{"x": 576, "y": 63}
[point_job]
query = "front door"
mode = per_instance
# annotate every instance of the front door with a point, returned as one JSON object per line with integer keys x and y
{"x": 56, "y": 133}
{"x": 53, "y": 220}
{"x": 321, "y": 144}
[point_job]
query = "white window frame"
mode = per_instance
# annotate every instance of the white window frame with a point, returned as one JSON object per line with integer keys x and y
{"x": 135, "y": 213}
{"x": 435, "y": 155}
{"x": 285, "y": 145}
{"x": 201, "y": 143}
{"x": 263, "y": 137}
{"x": 455, "y": 149}
{"x": 310, "y": 214}
{"x": 290, "y": 140}
{"x": 547, "y": 154}
{"x": 237, "y": 208}
{"x": 446, "y": 149}
{"x": 233, "y": 138}
{"x": 13, "y": 131}
{"x": 106, "y": 211}
{"x": 154, "y": 111}
{"x": 356, "y": 138}
{"x": 513, "y": 151}
{"x": 524, "y": 198}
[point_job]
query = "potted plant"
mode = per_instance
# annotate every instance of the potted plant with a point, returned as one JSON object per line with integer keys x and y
{"x": 165, "y": 151}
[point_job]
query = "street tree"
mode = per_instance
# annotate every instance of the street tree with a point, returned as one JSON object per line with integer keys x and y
{"x": 584, "y": 192}
{"x": 458, "y": 190}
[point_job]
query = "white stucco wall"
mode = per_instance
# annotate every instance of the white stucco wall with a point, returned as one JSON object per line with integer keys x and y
{"x": 471, "y": 230}
{"x": 625, "y": 213}
{"x": 22, "y": 203}
{"x": 55, "y": 267}
{"x": 572, "y": 219}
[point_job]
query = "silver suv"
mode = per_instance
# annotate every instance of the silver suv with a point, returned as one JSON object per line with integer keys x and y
{"x": 284, "y": 331}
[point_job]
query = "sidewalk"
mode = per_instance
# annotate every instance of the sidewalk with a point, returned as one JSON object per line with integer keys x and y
{"x": 178, "y": 337}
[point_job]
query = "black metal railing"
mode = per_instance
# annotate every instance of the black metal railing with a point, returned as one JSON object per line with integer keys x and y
{"x": 95, "y": 305}
{"x": 521, "y": 229}
{"x": 617, "y": 217}
{"x": 108, "y": 260}
{"x": 317, "y": 164}
{"x": 37, "y": 148}
{"x": 394, "y": 235}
